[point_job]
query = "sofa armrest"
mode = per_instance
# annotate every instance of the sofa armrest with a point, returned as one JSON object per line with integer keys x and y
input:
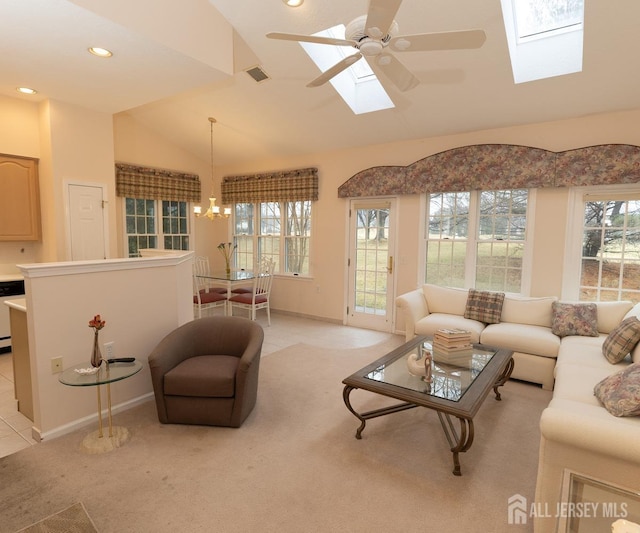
{"x": 603, "y": 434}
{"x": 413, "y": 306}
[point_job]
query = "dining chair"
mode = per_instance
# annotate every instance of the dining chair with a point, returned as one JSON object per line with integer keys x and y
{"x": 266, "y": 267}
{"x": 201, "y": 268}
{"x": 257, "y": 298}
{"x": 206, "y": 297}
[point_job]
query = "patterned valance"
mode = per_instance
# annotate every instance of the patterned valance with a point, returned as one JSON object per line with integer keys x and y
{"x": 156, "y": 183}
{"x": 286, "y": 186}
{"x": 500, "y": 166}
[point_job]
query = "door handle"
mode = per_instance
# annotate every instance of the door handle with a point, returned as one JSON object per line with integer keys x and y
{"x": 390, "y": 265}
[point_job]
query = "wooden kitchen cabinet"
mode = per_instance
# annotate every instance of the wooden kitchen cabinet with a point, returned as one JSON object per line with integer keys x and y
{"x": 19, "y": 199}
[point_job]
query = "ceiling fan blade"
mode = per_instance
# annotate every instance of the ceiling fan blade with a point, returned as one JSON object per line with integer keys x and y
{"x": 446, "y": 40}
{"x": 393, "y": 69}
{"x": 334, "y": 70}
{"x": 380, "y": 17}
{"x": 310, "y": 39}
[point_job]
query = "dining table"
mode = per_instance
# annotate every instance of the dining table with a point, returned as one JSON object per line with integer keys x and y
{"x": 230, "y": 280}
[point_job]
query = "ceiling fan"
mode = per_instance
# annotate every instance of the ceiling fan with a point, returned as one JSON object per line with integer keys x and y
{"x": 373, "y": 34}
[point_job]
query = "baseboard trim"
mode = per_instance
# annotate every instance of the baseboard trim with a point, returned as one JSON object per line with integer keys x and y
{"x": 87, "y": 420}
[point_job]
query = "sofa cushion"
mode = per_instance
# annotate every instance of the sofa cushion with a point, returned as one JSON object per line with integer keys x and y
{"x": 610, "y": 314}
{"x": 484, "y": 306}
{"x": 527, "y": 310}
{"x": 525, "y": 338}
{"x": 447, "y": 300}
{"x": 635, "y": 311}
{"x": 576, "y": 382}
{"x": 574, "y": 319}
{"x": 620, "y": 392}
{"x": 622, "y": 340}
{"x": 585, "y": 351}
{"x": 430, "y": 323}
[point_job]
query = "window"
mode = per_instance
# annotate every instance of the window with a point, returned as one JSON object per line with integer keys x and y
{"x": 610, "y": 262}
{"x": 156, "y": 224}
{"x": 282, "y": 232}
{"x": 477, "y": 239}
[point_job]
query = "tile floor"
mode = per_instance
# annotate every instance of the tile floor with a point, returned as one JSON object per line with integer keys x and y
{"x": 285, "y": 330}
{"x": 15, "y": 428}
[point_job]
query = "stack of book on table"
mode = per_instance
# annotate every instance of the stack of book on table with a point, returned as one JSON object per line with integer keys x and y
{"x": 452, "y": 341}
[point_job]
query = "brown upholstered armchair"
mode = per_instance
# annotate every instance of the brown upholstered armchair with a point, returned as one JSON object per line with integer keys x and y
{"x": 206, "y": 371}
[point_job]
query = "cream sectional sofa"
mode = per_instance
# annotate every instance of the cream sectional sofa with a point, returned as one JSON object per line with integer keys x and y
{"x": 524, "y": 327}
{"x": 578, "y": 434}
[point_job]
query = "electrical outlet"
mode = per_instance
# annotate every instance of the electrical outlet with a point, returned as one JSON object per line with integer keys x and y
{"x": 108, "y": 350}
{"x": 56, "y": 365}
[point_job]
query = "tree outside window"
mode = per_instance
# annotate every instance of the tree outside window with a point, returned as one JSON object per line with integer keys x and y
{"x": 477, "y": 239}
{"x": 610, "y": 266}
{"x": 283, "y": 235}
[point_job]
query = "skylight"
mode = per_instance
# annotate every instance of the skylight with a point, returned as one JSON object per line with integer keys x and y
{"x": 358, "y": 85}
{"x": 544, "y": 36}
{"x": 535, "y": 18}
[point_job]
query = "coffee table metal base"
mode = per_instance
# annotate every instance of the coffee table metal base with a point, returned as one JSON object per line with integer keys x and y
{"x": 459, "y": 441}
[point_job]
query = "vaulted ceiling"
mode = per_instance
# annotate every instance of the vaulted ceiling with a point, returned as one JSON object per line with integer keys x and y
{"x": 177, "y": 63}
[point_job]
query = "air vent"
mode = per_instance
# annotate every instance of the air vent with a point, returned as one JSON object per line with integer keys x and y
{"x": 257, "y": 74}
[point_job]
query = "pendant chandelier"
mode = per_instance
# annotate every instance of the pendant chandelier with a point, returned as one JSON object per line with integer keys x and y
{"x": 213, "y": 211}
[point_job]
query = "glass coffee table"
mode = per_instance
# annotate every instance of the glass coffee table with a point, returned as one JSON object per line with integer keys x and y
{"x": 458, "y": 385}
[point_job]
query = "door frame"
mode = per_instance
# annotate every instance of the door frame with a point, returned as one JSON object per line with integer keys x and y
{"x": 352, "y": 205}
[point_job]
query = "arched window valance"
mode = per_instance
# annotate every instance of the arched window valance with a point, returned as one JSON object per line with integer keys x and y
{"x": 135, "y": 181}
{"x": 500, "y": 166}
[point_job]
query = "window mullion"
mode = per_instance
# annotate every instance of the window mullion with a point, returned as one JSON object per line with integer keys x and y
{"x": 472, "y": 239}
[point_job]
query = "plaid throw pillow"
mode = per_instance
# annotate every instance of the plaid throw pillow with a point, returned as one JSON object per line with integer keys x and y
{"x": 622, "y": 340}
{"x": 484, "y": 306}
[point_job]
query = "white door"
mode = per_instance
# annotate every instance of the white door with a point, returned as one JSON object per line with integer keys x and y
{"x": 86, "y": 222}
{"x": 370, "y": 264}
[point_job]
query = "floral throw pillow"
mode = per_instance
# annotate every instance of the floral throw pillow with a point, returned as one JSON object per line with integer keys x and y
{"x": 574, "y": 319}
{"x": 484, "y": 306}
{"x": 620, "y": 392}
{"x": 621, "y": 340}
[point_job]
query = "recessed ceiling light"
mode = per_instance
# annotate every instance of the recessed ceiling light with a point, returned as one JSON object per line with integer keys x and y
{"x": 26, "y": 90}
{"x": 100, "y": 52}
{"x": 293, "y": 3}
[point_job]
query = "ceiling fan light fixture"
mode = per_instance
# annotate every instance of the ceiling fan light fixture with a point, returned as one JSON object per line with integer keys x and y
{"x": 293, "y": 3}
{"x": 401, "y": 44}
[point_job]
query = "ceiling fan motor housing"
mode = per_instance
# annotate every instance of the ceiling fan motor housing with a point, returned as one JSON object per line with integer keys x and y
{"x": 369, "y": 45}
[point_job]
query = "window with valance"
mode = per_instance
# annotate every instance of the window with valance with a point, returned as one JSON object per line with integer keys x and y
{"x": 272, "y": 218}
{"x": 156, "y": 206}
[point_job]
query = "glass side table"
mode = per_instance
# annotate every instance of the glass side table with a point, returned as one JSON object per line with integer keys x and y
{"x": 106, "y": 374}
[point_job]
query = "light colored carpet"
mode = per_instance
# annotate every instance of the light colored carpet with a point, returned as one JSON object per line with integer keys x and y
{"x": 74, "y": 519}
{"x": 293, "y": 466}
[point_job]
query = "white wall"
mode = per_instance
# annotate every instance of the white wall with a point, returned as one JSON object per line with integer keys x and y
{"x": 135, "y": 144}
{"x": 141, "y": 301}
